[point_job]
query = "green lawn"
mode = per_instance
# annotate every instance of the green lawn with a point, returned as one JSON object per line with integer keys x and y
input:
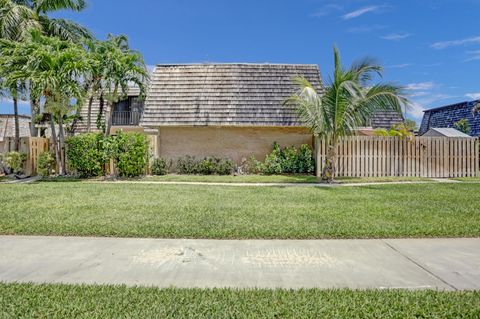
{"x": 180, "y": 211}
{"x": 62, "y": 301}
{"x": 272, "y": 179}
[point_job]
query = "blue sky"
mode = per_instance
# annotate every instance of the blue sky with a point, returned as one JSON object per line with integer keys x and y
{"x": 430, "y": 46}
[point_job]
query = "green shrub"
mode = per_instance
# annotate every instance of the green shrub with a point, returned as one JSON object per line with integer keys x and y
{"x": 14, "y": 161}
{"x": 87, "y": 154}
{"x": 212, "y": 165}
{"x": 130, "y": 153}
{"x": 215, "y": 166}
{"x": 187, "y": 165}
{"x": 288, "y": 160}
{"x": 46, "y": 164}
{"x": 225, "y": 166}
{"x": 160, "y": 167}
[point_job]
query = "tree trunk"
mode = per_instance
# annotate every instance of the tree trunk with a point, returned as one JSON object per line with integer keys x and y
{"x": 17, "y": 124}
{"x": 89, "y": 114}
{"x": 55, "y": 142}
{"x": 108, "y": 119}
{"x": 100, "y": 123}
{"x": 34, "y": 111}
{"x": 329, "y": 168}
{"x": 61, "y": 137}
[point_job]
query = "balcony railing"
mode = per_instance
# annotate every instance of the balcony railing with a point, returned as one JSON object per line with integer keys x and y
{"x": 129, "y": 118}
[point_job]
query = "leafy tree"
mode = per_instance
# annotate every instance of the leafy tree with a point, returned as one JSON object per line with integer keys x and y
{"x": 345, "y": 104}
{"x": 463, "y": 126}
{"x": 410, "y": 125}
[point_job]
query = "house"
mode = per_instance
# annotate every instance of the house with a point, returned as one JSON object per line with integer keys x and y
{"x": 380, "y": 120}
{"x": 447, "y": 116}
{"x": 7, "y": 129}
{"x": 226, "y": 110}
{"x": 445, "y": 132}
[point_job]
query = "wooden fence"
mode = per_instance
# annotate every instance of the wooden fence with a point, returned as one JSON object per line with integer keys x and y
{"x": 440, "y": 157}
{"x": 33, "y": 147}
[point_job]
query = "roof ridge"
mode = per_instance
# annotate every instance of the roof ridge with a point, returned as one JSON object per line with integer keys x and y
{"x": 236, "y": 63}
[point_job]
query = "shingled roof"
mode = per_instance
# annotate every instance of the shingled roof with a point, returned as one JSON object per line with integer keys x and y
{"x": 224, "y": 94}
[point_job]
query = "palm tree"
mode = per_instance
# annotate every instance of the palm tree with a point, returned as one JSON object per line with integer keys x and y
{"x": 114, "y": 66}
{"x": 17, "y": 17}
{"x": 345, "y": 104}
{"x": 34, "y": 13}
{"x": 55, "y": 70}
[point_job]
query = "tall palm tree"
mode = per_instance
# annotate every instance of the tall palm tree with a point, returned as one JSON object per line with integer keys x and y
{"x": 17, "y": 17}
{"x": 114, "y": 67}
{"x": 61, "y": 28}
{"x": 55, "y": 68}
{"x": 346, "y": 103}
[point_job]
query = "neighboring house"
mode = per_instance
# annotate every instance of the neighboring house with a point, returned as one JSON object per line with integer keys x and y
{"x": 447, "y": 116}
{"x": 444, "y": 132}
{"x": 7, "y": 128}
{"x": 381, "y": 120}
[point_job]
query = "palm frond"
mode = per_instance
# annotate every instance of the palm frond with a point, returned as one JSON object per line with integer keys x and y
{"x": 64, "y": 29}
{"x": 45, "y": 6}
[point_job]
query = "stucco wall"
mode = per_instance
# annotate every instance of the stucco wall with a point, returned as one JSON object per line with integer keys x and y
{"x": 235, "y": 143}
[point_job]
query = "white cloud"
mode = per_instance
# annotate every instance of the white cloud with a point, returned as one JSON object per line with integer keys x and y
{"x": 420, "y": 86}
{"x": 326, "y": 10}
{"x": 399, "y": 66}
{"x": 396, "y": 36}
{"x": 473, "y": 96}
{"x": 474, "y": 55}
{"x": 416, "y": 110}
{"x": 455, "y": 43}
{"x": 360, "y": 12}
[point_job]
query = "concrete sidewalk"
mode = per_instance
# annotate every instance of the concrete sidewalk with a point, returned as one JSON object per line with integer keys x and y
{"x": 446, "y": 264}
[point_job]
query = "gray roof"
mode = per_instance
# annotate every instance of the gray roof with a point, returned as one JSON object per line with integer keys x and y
{"x": 224, "y": 94}
{"x": 446, "y": 131}
{"x": 7, "y": 126}
{"x": 386, "y": 119}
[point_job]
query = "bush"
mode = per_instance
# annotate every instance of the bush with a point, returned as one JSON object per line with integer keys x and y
{"x": 87, "y": 154}
{"x": 130, "y": 153}
{"x": 288, "y": 160}
{"x": 14, "y": 162}
{"x": 46, "y": 164}
{"x": 187, "y": 165}
{"x": 208, "y": 166}
{"x": 160, "y": 167}
{"x": 215, "y": 166}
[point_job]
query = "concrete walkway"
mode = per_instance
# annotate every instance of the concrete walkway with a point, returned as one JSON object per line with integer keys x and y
{"x": 446, "y": 264}
{"x": 445, "y": 181}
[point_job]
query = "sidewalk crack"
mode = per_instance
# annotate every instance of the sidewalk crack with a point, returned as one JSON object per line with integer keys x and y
{"x": 420, "y": 265}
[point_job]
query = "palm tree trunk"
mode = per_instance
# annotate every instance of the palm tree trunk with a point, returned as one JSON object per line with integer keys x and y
{"x": 89, "y": 114}
{"x": 108, "y": 119}
{"x": 100, "y": 123}
{"x": 329, "y": 169}
{"x": 17, "y": 123}
{"x": 61, "y": 137}
{"x": 54, "y": 141}
{"x": 34, "y": 111}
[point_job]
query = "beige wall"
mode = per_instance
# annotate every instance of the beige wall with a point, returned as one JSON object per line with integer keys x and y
{"x": 235, "y": 143}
